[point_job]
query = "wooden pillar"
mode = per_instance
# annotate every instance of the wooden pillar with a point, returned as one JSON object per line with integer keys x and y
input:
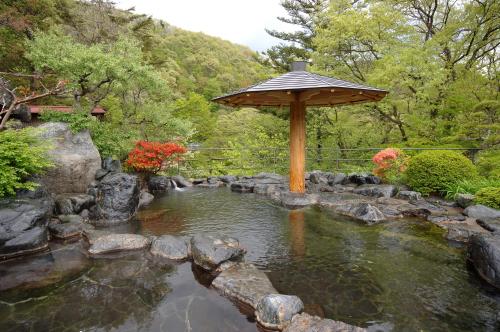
{"x": 297, "y": 145}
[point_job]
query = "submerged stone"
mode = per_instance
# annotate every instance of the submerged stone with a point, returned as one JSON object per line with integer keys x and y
{"x": 276, "y": 310}
{"x": 66, "y": 230}
{"x": 292, "y": 201}
{"x": 145, "y": 198}
{"x": 307, "y": 323}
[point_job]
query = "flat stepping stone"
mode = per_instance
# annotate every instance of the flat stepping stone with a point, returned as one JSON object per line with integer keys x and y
{"x": 118, "y": 242}
{"x": 170, "y": 247}
{"x": 245, "y": 283}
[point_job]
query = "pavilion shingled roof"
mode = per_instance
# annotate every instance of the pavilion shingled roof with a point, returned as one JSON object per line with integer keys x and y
{"x": 300, "y": 81}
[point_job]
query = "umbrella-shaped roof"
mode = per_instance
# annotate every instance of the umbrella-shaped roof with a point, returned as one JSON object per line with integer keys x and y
{"x": 314, "y": 89}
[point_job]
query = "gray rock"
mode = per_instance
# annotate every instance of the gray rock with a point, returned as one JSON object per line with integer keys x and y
{"x": 92, "y": 235}
{"x": 245, "y": 283}
{"x": 318, "y": 178}
{"x": 228, "y": 178}
{"x": 145, "y": 198}
{"x": 339, "y": 178}
{"x": 85, "y": 214}
{"x": 376, "y": 190}
{"x": 492, "y": 225}
{"x": 67, "y": 218}
{"x": 482, "y": 212}
{"x": 264, "y": 189}
{"x": 18, "y": 216}
{"x": 100, "y": 173}
{"x": 75, "y": 157}
{"x": 294, "y": 201}
{"x": 171, "y": 247}
{"x": 181, "y": 181}
{"x": 159, "y": 184}
{"x": 112, "y": 165}
{"x": 117, "y": 200}
{"x": 360, "y": 179}
{"x": 484, "y": 254}
{"x": 73, "y": 203}
{"x": 209, "y": 252}
{"x": 307, "y": 323}
{"x": 66, "y": 230}
{"x": 409, "y": 195}
{"x": 242, "y": 187}
{"x": 118, "y": 242}
{"x": 368, "y": 213}
{"x": 459, "y": 233}
{"x": 464, "y": 200}
{"x": 26, "y": 242}
{"x": 275, "y": 311}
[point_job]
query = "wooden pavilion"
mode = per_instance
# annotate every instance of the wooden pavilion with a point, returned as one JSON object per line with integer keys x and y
{"x": 299, "y": 89}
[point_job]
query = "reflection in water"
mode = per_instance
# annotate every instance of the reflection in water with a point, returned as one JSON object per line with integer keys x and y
{"x": 297, "y": 228}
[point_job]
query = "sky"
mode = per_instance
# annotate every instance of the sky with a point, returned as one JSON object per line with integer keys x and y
{"x": 239, "y": 21}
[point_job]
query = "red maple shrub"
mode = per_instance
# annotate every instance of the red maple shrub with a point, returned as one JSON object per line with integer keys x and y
{"x": 152, "y": 157}
{"x": 391, "y": 164}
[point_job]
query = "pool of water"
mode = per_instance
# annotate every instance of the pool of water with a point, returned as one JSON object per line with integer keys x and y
{"x": 395, "y": 276}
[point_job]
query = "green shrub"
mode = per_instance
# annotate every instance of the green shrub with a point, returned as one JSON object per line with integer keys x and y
{"x": 22, "y": 155}
{"x": 469, "y": 186}
{"x": 434, "y": 171}
{"x": 488, "y": 163}
{"x": 489, "y": 196}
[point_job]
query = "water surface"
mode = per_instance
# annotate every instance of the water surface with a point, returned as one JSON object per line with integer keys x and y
{"x": 395, "y": 276}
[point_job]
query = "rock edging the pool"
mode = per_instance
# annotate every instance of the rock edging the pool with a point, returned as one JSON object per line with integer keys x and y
{"x": 222, "y": 257}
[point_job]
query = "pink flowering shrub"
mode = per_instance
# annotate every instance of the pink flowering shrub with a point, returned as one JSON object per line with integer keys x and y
{"x": 390, "y": 164}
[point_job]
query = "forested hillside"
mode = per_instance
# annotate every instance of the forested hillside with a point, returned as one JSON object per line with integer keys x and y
{"x": 438, "y": 59}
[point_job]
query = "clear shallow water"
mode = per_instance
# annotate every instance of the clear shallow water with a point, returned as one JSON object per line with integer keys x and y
{"x": 396, "y": 276}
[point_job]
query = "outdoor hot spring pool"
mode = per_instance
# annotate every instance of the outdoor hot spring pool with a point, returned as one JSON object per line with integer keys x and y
{"x": 395, "y": 276}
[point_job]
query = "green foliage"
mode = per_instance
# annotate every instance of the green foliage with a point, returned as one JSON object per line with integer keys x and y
{"x": 77, "y": 121}
{"x": 489, "y": 196}
{"x": 22, "y": 155}
{"x": 469, "y": 187}
{"x": 434, "y": 171}
{"x": 196, "y": 109}
{"x": 488, "y": 164}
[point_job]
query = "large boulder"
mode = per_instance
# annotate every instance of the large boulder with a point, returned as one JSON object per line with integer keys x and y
{"x": 117, "y": 199}
{"x": 307, "y": 323}
{"x": 75, "y": 157}
{"x": 159, "y": 184}
{"x": 245, "y": 283}
{"x": 484, "y": 254}
{"x": 118, "y": 242}
{"x": 274, "y": 311}
{"x": 23, "y": 225}
{"x": 26, "y": 242}
{"x": 209, "y": 252}
{"x": 170, "y": 247}
{"x": 482, "y": 212}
